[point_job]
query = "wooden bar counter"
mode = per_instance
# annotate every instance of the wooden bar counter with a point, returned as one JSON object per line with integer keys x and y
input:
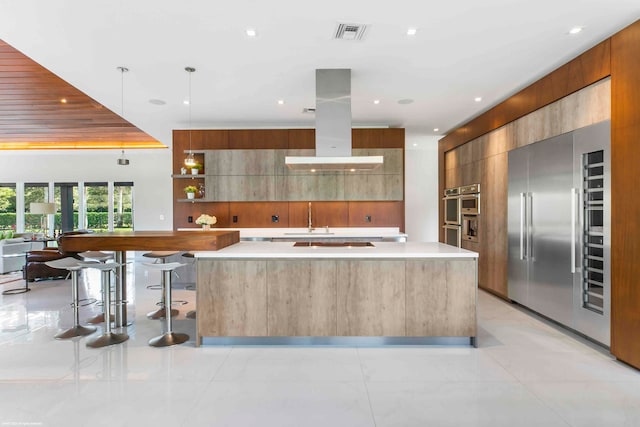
{"x": 211, "y": 240}
{"x": 121, "y": 242}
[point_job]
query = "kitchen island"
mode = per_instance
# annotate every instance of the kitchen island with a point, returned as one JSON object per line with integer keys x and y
{"x": 336, "y": 293}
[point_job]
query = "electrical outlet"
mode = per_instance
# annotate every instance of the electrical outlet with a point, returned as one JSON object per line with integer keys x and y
{"x": 275, "y": 218}
{"x": 189, "y": 219}
{"x": 235, "y": 218}
{"x": 367, "y": 218}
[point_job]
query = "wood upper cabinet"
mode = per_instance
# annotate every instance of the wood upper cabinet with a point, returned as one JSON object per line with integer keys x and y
{"x": 377, "y": 138}
{"x": 246, "y": 139}
{"x": 300, "y": 139}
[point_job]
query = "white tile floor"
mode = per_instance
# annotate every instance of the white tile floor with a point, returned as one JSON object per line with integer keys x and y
{"x": 525, "y": 373}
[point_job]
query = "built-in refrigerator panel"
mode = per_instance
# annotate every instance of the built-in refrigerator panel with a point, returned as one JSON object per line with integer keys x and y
{"x": 517, "y": 225}
{"x": 559, "y": 229}
{"x": 549, "y": 208}
{"x": 592, "y": 231}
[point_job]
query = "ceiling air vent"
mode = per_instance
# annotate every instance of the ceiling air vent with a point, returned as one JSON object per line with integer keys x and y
{"x": 350, "y": 31}
{"x": 309, "y": 110}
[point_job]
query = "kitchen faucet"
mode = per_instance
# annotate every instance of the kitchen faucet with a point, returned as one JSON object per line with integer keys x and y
{"x": 309, "y": 219}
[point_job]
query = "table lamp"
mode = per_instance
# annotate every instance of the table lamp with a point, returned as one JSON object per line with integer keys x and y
{"x": 43, "y": 209}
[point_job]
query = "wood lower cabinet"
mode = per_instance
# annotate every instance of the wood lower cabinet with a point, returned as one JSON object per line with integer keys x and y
{"x": 232, "y": 296}
{"x": 336, "y": 297}
{"x": 441, "y": 298}
{"x": 371, "y": 300}
{"x": 301, "y": 297}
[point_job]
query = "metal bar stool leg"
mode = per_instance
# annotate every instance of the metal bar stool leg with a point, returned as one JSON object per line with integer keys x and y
{"x": 77, "y": 330}
{"x": 169, "y": 337}
{"x": 109, "y": 337}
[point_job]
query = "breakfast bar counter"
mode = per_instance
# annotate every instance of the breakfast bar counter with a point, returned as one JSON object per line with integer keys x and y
{"x": 336, "y": 293}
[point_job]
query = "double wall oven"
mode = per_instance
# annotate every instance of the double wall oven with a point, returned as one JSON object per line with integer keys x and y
{"x": 461, "y": 210}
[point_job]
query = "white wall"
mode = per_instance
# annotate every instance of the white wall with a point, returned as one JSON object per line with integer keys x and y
{"x": 421, "y": 186}
{"x": 149, "y": 170}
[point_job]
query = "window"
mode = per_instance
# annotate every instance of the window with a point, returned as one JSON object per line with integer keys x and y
{"x": 123, "y": 206}
{"x": 34, "y": 193}
{"x": 65, "y": 195}
{"x": 96, "y": 198}
{"x": 7, "y": 208}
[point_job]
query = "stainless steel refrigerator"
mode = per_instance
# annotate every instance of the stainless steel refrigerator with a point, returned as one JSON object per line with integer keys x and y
{"x": 559, "y": 229}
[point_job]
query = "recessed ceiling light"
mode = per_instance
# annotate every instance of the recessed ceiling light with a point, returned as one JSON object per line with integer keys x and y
{"x": 280, "y": 101}
{"x": 157, "y": 102}
{"x": 185, "y": 102}
{"x": 63, "y": 100}
{"x": 251, "y": 32}
{"x": 436, "y": 129}
{"x": 415, "y": 144}
{"x": 477, "y": 98}
{"x": 412, "y": 31}
{"x": 575, "y": 30}
{"x": 376, "y": 101}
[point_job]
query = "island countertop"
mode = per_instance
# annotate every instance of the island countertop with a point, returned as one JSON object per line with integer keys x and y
{"x": 380, "y": 250}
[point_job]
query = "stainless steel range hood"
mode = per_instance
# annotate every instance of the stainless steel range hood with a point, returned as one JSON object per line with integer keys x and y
{"x": 333, "y": 128}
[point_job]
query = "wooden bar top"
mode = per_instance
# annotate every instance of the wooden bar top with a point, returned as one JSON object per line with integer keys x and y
{"x": 151, "y": 241}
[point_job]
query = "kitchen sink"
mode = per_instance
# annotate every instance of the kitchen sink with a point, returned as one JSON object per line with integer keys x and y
{"x": 335, "y": 244}
{"x": 309, "y": 233}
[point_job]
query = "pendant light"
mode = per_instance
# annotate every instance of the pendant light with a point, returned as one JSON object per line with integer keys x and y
{"x": 190, "y": 160}
{"x": 122, "y": 161}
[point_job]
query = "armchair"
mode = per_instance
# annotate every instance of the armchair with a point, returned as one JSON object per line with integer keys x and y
{"x": 35, "y": 267}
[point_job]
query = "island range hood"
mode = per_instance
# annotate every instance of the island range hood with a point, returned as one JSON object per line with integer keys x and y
{"x": 333, "y": 128}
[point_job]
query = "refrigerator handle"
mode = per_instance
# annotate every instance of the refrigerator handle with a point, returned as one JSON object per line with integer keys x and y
{"x": 529, "y": 247}
{"x": 523, "y": 210}
{"x": 574, "y": 211}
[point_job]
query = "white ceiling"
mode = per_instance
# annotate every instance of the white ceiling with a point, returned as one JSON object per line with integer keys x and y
{"x": 463, "y": 49}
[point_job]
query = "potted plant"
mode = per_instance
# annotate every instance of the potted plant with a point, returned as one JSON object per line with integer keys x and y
{"x": 206, "y": 221}
{"x": 190, "y": 191}
{"x": 195, "y": 169}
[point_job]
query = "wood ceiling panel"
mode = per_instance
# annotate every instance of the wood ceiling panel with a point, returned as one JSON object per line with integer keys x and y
{"x": 33, "y": 117}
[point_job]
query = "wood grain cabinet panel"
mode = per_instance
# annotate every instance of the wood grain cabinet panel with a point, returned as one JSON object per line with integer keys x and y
{"x": 393, "y": 160}
{"x": 377, "y": 138}
{"x": 371, "y": 298}
{"x": 376, "y": 214}
{"x": 301, "y": 298}
{"x": 241, "y": 188}
{"x": 310, "y": 186}
{"x": 332, "y": 214}
{"x": 240, "y": 162}
{"x": 259, "y": 215}
{"x": 302, "y": 139}
{"x": 232, "y": 298}
{"x": 249, "y": 139}
{"x": 373, "y": 187}
{"x": 441, "y": 298}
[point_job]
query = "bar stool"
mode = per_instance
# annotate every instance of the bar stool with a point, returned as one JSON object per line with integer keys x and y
{"x": 73, "y": 266}
{"x": 108, "y": 337}
{"x": 101, "y": 257}
{"x": 169, "y": 337}
{"x": 160, "y": 256}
